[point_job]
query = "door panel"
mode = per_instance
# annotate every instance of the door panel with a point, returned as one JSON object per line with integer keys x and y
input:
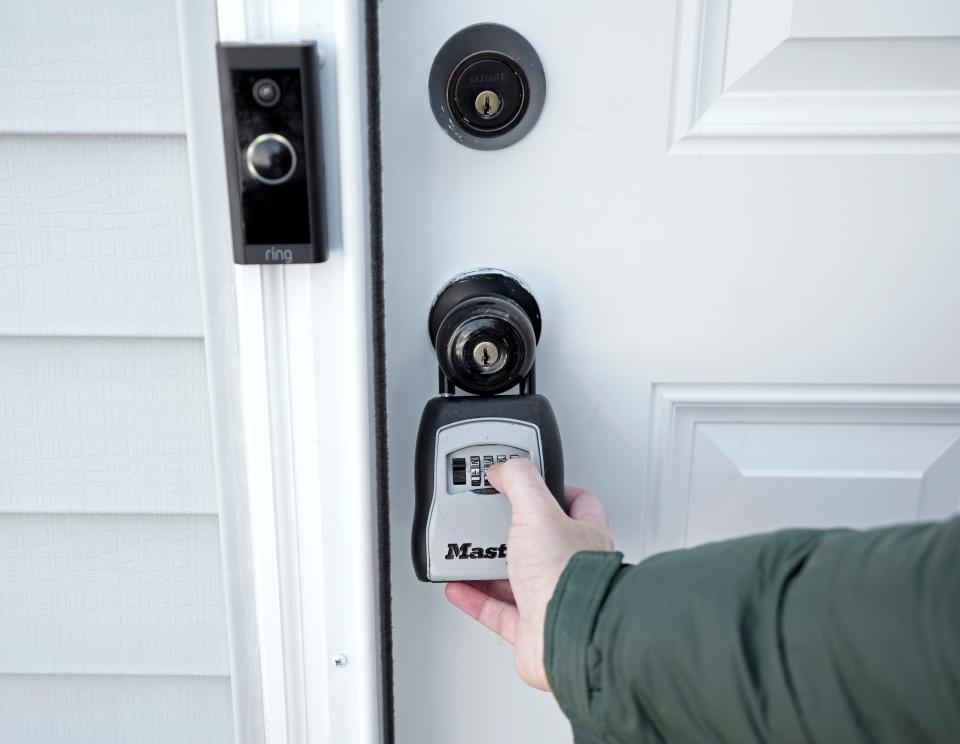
{"x": 744, "y": 250}
{"x": 800, "y": 75}
{"x": 730, "y": 460}
{"x": 873, "y": 18}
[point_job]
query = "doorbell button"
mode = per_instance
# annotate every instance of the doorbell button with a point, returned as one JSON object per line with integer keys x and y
{"x": 271, "y": 159}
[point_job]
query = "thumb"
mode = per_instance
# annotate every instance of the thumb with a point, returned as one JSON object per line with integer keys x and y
{"x": 583, "y": 506}
{"x": 520, "y": 481}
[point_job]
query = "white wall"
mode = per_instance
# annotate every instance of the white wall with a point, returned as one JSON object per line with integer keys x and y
{"x": 112, "y": 624}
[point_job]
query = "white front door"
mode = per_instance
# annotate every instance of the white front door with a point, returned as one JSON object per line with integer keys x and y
{"x": 740, "y": 220}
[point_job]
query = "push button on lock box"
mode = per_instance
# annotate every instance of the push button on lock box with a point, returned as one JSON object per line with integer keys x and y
{"x": 475, "y": 471}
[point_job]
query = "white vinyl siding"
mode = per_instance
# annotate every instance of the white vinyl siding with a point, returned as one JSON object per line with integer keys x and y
{"x": 98, "y": 66}
{"x": 112, "y": 620}
{"x": 104, "y": 425}
{"x": 108, "y": 709}
{"x": 96, "y": 237}
{"x": 111, "y": 594}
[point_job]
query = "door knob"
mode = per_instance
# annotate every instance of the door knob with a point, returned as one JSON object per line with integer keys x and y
{"x": 484, "y": 326}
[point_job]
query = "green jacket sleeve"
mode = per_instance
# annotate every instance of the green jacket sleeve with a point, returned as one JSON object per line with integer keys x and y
{"x": 798, "y": 636}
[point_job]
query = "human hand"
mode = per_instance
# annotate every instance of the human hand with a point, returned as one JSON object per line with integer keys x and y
{"x": 541, "y": 541}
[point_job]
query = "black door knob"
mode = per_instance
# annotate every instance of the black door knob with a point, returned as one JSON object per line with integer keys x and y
{"x": 271, "y": 159}
{"x": 484, "y": 326}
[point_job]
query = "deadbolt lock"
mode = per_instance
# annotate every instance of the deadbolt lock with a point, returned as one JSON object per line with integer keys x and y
{"x": 487, "y": 86}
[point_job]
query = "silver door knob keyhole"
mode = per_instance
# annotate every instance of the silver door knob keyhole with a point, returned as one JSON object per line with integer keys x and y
{"x": 486, "y": 355}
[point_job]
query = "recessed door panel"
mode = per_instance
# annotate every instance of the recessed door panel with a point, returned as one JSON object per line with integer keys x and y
{"x": 726, "y": 461}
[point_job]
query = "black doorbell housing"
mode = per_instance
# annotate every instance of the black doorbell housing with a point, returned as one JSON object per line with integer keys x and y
{"x": 271, "y": 130}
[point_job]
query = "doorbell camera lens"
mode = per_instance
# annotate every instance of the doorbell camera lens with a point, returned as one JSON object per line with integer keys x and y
{"x": 266, "y": 92}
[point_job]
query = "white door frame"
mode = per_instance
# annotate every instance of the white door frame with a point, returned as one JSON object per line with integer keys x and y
{"x": 289, "y": 356}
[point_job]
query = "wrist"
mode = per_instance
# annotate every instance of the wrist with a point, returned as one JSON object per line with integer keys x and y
{"x": 568, "y": 626}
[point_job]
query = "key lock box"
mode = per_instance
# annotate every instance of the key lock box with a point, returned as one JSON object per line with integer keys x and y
{"x": 484, "y": 326}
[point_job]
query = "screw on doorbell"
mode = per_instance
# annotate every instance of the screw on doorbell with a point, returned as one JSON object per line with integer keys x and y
{"x": 484, "y": 326}
{"x": 487, "y": 86}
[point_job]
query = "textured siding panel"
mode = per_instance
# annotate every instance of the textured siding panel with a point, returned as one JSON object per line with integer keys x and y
{"x": 96, "y": 237}
{"x": 104, "y": 425}
{"x": 92, "y": 66}
{"x": 112, "y": 619}
{"x": 114, "y": 710}
{"x": 109, "y": 594}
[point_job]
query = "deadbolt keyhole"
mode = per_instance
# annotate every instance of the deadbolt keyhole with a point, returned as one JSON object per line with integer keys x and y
{"x": 486, "y": 86}
{"x": 488, "y": 104}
